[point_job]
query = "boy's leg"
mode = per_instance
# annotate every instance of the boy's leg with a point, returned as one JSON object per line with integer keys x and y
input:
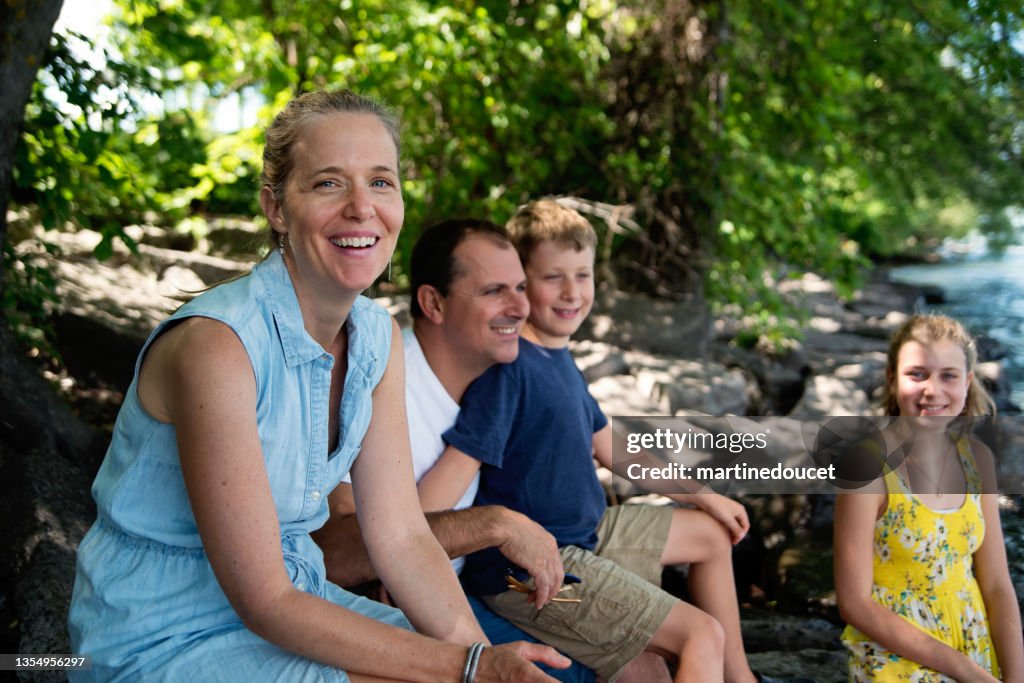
{"x": 644, "y": 538}
{"x": 697, "y": 539}
{"x": 696, "y": 640}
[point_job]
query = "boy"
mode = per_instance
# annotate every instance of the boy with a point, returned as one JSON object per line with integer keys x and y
{"x": 530, "y": 427}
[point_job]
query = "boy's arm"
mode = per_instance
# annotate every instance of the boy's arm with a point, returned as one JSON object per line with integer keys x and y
{"x": 603, "y": 445}
{"x": 729, "y": 513}
{"x": 444, "y": 484}
{"x": 460, "y": 532}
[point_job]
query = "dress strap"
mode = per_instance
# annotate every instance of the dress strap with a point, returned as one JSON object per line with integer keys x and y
{"x": 963, "y": 449}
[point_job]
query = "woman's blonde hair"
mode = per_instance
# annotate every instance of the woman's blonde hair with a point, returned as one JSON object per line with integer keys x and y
{"x": 278, "y": 159}
{"x": 926, "y": 329}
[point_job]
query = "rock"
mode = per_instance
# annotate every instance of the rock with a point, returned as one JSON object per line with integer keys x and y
{"x": 826, "y": 395}
{"x": 619, "y": 395}
{"x": 704, "y": 386}
{"x": 47, "y": 460}
{"x": 236, "y": 237}
{"x": 596, "y": 360}
{"x": 779, "y": 380}
{"x": 868, "y": 375}
{"x": 771, "y": 631}
{"x": 679, "y": 329}
{"x": 827, "y": 350}
{"x": 993, "y": 376}
{"x": 823, "y": 666}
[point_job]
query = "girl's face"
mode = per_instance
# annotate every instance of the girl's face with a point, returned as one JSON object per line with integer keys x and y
{"x": 931, "y": 379}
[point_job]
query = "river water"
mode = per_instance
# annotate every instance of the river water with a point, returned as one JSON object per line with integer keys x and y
{"x": 986, "y": 293}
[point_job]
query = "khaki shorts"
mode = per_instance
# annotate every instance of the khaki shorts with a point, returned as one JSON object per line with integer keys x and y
{"x": 621, "y": 604}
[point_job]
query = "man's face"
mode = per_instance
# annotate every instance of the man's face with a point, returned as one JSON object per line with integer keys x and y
{"x": 486, "y": 303}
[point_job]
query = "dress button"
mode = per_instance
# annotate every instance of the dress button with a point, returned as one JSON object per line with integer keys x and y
{"x": 315, "y": 495}
{"x": 301, "y": 585}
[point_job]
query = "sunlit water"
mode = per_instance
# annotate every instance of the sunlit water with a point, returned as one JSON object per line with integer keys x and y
{"x": 987, "y": 295}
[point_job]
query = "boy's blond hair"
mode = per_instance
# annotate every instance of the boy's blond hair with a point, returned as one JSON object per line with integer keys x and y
{"x": 545, "y": 220}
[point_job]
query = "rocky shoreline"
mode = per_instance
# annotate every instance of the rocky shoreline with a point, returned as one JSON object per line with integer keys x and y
{"x": 641, "y": 356}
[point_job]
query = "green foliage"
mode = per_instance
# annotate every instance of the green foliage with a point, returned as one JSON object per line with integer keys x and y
{"x": 27, "y": 296}
{"x": 752, "y": 139}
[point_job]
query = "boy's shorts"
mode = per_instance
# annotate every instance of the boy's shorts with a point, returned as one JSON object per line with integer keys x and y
{"x": 621, "y": 604}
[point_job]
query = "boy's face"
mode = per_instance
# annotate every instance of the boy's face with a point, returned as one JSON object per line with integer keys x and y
{"x": 560, "y": 287}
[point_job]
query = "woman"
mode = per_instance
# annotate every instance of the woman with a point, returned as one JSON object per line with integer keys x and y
{"x": 248, "y": 406}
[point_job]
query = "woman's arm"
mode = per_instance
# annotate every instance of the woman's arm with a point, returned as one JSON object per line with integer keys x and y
{"x": 210, "y": 395}
{"x": 855, "y": 517}
{"x": 993, "y": 575}
{"x": 441, "y": 487}
{"x": 395, "y": 532}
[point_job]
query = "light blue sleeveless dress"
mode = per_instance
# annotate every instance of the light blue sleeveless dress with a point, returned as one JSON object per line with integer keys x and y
{"x": 146, "y": 605}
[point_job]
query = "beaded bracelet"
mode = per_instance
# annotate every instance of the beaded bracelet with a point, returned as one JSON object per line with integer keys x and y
{"x": 472, "y": 660}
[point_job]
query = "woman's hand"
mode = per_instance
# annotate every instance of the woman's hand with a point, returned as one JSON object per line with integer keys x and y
{"x": 729, "y": 513}
{"x": 512, "y": 663}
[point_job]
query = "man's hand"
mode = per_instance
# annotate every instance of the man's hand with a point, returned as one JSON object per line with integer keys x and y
{"x": 530, "y": 546}
{"x": 729, "y": 513}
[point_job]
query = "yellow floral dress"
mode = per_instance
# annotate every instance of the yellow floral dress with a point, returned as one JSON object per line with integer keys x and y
{"x": 923, "y": 571}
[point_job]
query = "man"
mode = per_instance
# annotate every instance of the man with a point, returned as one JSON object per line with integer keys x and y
{"x": 468, "y": 305}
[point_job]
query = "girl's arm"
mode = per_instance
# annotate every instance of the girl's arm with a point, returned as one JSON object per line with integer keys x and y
{"x": 204, "y": 381}
{"x": 855, "y": 517}
{"x": 729, "y": 513}
{"x": 441, "y": 487}
{"x": 993, "y": 575}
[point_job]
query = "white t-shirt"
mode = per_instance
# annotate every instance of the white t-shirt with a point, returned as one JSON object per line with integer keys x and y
{"x": 432, "y": 411}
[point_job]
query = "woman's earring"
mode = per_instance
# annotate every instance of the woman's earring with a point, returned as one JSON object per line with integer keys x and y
{"x": 280, "y": 243}
{"x": 389, "y": 268}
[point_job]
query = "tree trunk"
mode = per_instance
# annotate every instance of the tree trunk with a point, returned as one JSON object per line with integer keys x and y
{"x": 25, "y": 28}
{"x": 47, "y": 455}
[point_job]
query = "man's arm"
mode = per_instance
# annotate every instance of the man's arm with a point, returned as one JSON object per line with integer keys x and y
{"x": 459, "y": 532}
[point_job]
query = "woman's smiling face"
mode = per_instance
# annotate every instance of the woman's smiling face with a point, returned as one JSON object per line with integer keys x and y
{"x": 342, "y": 208}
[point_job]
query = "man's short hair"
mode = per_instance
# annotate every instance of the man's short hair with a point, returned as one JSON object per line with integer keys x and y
{"x": 545, "y": 220}
{"x": 433, "y": 257}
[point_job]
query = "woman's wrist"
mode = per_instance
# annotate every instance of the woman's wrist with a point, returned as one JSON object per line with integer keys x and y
{"x": 472, "y": 662}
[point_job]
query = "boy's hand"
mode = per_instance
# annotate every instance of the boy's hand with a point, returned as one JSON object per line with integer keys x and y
{"x": 530, "y": 546}
{"x": 730, "y": 513}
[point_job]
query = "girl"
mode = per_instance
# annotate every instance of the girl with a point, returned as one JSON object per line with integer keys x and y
{"x": 920, "y": 567}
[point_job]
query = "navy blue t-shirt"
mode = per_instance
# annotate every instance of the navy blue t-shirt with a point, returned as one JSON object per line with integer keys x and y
{"x": 531, "y": 424}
